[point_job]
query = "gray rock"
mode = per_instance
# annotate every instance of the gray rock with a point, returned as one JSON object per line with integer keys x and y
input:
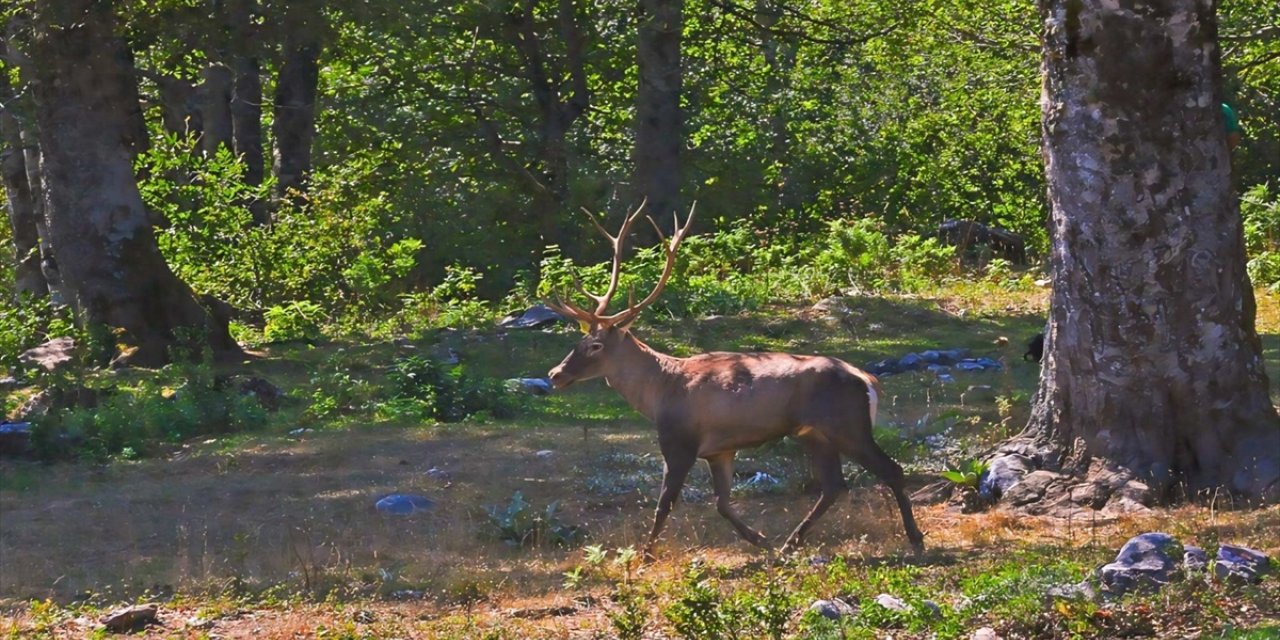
{"x": 1146, "y": 561}
{"x": 985, "y": 633}
{"x": 545, "y": 454}
{"x": 436, "y": 473}
{"x": 1079, "y": 591}
{"x": 51, "y": 355}
{"x": 534, "y": 317}
{"x": 15, "y": 438}
{"x": 1194, "y": 558}
{"x": 932, "y": 607}
{"x": 1002, "y": 473}
{"x": 398, "y": 504}
{"x": 1031, "y": 488}
{"x": 833, "y": 609}
{"x": 1240, "y": 564}
{"x": 533, "y": 386}
{"x": 130, "y": 619}
{"x": 892, "y": 603}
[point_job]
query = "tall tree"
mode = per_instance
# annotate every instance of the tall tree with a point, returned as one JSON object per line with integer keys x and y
{"x": 294, "y": 128}
{"x": 86, "y": 102}
{"x": 659, "y": 128}
{"x": 23, "y": 215}
{"x": 1153, "y": 380}
{"x": 246, "y": 96}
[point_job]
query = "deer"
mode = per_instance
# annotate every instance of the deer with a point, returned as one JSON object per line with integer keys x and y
{"x": 711, "y": 406}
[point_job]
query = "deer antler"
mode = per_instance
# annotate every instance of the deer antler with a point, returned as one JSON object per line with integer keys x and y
{"x": 565, "y": 307}
{"x": 624, "y": 318}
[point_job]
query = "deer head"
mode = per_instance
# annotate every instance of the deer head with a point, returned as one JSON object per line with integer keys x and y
{"x": 596, "y": 351}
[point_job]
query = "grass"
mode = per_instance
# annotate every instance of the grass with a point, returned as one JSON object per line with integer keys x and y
{"x": 275, "y": 536}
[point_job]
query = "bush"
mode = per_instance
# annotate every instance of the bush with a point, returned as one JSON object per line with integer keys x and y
{"x": 427, "y": 389}
{"x": 298, "y": 320}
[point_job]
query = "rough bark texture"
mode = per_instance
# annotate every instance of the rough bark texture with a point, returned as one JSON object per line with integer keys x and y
{"x": 97, "y": 225}
{"x": 659, "y": 120}
{"x": 215, "y": 108}
{"x": 22, "y": 206}
{"x": 246, "y": 98}
{"x": 295, "y": 101}
{"x": 1153, "y": 384}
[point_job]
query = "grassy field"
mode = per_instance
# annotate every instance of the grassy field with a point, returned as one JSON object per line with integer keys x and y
{"x": 273, "y": 534}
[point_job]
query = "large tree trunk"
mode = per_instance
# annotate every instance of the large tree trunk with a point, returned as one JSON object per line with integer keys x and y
{"x": 97, "y": 225}
{"x": 294, "y": 128}
{"x": 659, "y": 121}
{"x": 22, "y": 206}
{"x": 1153, "y": 386}
{"x": 246, "y": 98}
{"x": 215, "y": 107}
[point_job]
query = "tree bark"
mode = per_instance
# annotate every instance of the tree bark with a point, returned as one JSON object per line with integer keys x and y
{"x": 215, "y": 108}
{"x": 295, "y": 101}
{"x": 22, "y": 207}
{"x": 246, "y": 99}
{"x": 1153, "y": 385}
{"x": 97, "y": 225}
{"x": 659, "y": 120}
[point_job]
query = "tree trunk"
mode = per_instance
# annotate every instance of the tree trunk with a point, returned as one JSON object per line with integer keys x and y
{"x": 22, "y": 206}
{"x": 215, "y": 108}
{"x": 295, "y": 102}
{"x": 659, "y": 120}
{"x": 246, "y": 99}
{"x": 97, "y": 225}
{"x": 1153, "y": 384}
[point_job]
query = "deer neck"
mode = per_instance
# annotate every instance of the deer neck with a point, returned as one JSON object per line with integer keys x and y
{"x": 644, "y": 377}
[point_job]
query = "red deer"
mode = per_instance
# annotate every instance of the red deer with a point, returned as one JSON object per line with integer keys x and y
{"x": 710, "y": 406}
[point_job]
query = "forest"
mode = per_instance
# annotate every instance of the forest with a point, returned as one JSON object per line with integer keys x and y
{"x": 287, "y": 284}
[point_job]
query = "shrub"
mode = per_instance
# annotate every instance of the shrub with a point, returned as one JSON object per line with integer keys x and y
{"x": 298, "y": 320}
{"x": 425, "y": 388}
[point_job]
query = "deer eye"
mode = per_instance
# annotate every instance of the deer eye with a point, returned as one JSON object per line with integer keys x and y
{"x": 594, "y": 347}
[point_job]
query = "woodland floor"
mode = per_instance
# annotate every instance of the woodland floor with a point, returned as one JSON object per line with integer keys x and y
{"x": 274, "y": 535}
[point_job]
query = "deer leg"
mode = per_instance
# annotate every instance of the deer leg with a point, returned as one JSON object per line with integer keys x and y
{"x": 675, "y": 469}
{"x": 875, "y": 460}
{"x": 826, "y": 468}
{"x": 722, "y": 480}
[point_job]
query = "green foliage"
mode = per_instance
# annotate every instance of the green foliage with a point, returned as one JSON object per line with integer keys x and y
{"x": 697, "y": 610}
{"x": 298, "y": 320}
{"x": 184, "y": 402}
{"x": 967, "y": 475}
{"x": 519, "y": 523}
{"x": 1260, "y": 216}
{"x": 424, "y": 388}
{"x": 29, "y": 322}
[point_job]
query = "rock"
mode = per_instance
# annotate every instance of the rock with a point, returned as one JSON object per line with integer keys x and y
{"x": 833, "y": 609}
{"x": 534, "y": 317}
{"x": 406, "y": 594}
{"x": 1079, "y": 591}
{"x": 300, "y": 431}
{"x": 15, "y": 438}
{"x": 1194, "y": 558}
{"x": 51, "y": 355}
{"x": 935, "y": 493}
{"x": 1145, "y": 561}
{"x": 985, "y": 633}
{"x": 932, "y": 608}
{"x": 9, "y": 383}
{"x": 545, "y": 454}
{"x": 1031, "y": 488}
{"x": 398, "y": 504}
{"x": 946, "y": 378}
{"x": 911, "y": 361}
{"x": 268, "y": 395}
{"x": 978, "y": 393}
{"x": 534, "y": 386}
{"x": 1240, "y": 564}
{"x": 436, "y": 473}
{"x": 1002, "y": 473}
{"x": 892, "y": 603}
{"x": 130, "y": 619}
